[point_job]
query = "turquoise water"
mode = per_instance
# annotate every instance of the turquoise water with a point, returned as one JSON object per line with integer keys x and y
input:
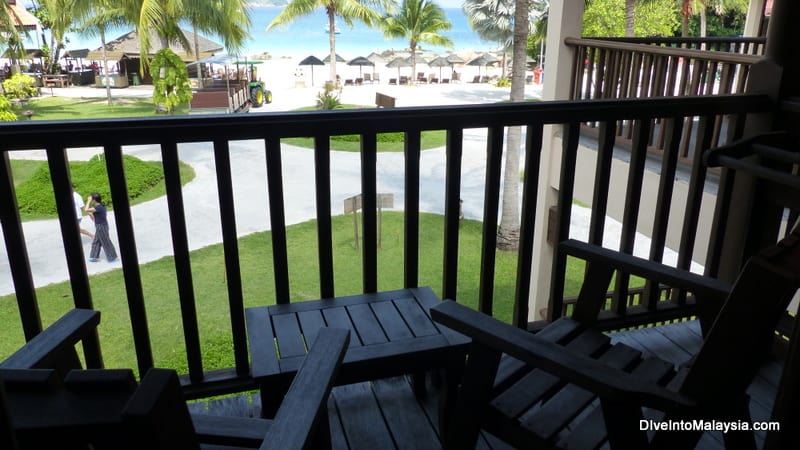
{"x": 307, "y": 36}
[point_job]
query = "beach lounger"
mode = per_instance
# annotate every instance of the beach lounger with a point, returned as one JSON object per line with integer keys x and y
{"x": 376, "y": 77}
{"x": 432, "y": 78}
{"x": 392, "y": 80}
{"x": 477, "y": 79}
{"x": 421, "y": 77}
{"x": 368, "y": 78}
{"x": 348, "y": 82}
{"x": 359, "y": 81}
{"x": 403, "y": 79}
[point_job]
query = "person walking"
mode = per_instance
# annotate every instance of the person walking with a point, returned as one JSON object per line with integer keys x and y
{"x": 78, "y": 200}
{"x": 96, "y": 207}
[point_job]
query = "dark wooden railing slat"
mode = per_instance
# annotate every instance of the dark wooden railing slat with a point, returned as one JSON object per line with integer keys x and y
{"x": 566, "y": 189}
{"x": 183, "y": 265}
{"x": 658, "y": 237}
{"x": 58, "y": 164}
{"x": 491, "y": 203}
{"x": 322, "y": 174}
{"x": 602, "y": 179}
{"x": 452, "y": 212}
{"x": 530, "y": 190}
{"x": 230, "y": 245}
{"x": 277, "y": 219}
{"x": 633, "y": 198}
{"x": 18, "y": 253}
{"x": 369, "y": 161}
{"x": 411, "y": 223}
{"x": 694, "y": 195}
{"x": 130, "y": 257}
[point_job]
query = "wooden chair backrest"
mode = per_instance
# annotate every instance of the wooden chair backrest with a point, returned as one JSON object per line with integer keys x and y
{"x": 741, "y": 335}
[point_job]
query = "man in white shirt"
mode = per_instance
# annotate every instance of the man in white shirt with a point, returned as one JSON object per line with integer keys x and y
{"x": 78, "y": 200}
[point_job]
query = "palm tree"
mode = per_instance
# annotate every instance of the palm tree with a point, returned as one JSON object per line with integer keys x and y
{"x": 420, "y": 21}
{"x": 229, "y": 19}
{"x": 493, "y": 20}
{"x": 508, "y": 21}
{"x": 97, "y": 17}
{"x": 9, "y": 35}
{"x": 347, "y": 10}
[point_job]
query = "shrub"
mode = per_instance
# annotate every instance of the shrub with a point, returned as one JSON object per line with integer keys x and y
{"x": 35, "y": 195}
{"x": 329, "y": 97}
{"x": 503, "y": 82}
{"x": 20, "y": 86}
{"x": 381, "y": 137}
{"x": 6, "y": 115}
{"x": 171, "y": 86}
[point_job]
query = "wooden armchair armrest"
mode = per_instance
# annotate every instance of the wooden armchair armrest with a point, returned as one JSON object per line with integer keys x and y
{"x": 647, "y": 269}
{"x": 303, "y": 406}
{"x": 608, "y": 383}
{"x": 55, "y": 342}
{"x": 302, "y": 410}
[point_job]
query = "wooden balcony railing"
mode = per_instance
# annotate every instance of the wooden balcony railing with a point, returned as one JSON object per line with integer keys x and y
{"x": 214, "y": 134}
{"x": 625, "y": 68}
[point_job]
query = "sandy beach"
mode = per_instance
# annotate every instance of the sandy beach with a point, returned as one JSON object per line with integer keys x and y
{"x": 294, "y": 86}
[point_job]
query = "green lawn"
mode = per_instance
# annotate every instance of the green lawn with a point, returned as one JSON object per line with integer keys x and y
{"x": 66, "y": 108}
{"x": 387, "y": 142}
{"x": 161, "y": 297}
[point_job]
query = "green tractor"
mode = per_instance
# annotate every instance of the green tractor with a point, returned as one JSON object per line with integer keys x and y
{"x": 259, "y": 94}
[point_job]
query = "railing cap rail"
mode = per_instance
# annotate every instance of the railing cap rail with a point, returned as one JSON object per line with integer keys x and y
{"x": 134, "y": 131}
{"x": 706, "y": 55}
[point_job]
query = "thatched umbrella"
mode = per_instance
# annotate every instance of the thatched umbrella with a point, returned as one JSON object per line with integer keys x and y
{"x": 360, "y": 61}
{"x": 399, "y": 62}
{"x": 440, "y": 62}
{"x": 311, "y": 61}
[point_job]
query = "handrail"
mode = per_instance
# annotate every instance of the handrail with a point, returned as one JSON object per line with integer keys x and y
{"x": 218, "y": 131}
{"x": 704, "y": 55}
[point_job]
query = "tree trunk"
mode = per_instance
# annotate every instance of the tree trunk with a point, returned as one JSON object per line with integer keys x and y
{"x": 508, "y": 232}
{"x": 196, "y": 48}
{"x": 332, "y": 40}
{"x": 703, "y": 23}
{"x": 630, "y": 17}
{"x": 413, "y": 48}
{"x": 105, "y": 64}
{"x": 686, "y": 12}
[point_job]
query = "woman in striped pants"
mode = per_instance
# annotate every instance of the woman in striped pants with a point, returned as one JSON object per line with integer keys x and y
{"x": 96, "y": 207}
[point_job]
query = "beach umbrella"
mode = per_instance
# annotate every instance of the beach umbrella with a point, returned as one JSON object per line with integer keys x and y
{"x": 311, "y": 61}
{"x": 360, "y": 61}
{"x": 440, "y": 62}
{"x": 399, "y": 62}
{"x": 327, "y": 59}
{"x": 483, "y": 60}
{"x": 376, "y": 58}
{"x": 455, "y": 59}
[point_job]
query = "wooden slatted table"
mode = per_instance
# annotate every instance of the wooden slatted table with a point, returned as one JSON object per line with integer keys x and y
{"x": 391, "y": 333}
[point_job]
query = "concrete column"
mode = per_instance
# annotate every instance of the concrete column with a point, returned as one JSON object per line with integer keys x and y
{"x": 755, "y": 15}
{"x": 565, "y": 20}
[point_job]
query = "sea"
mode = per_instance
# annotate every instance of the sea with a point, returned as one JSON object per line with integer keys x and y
{"x": 308, "y": 36}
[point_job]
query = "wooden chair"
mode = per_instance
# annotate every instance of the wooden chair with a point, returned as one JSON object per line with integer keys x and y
{"x": 107, "y": 409}
{"x": 542, "y": 391}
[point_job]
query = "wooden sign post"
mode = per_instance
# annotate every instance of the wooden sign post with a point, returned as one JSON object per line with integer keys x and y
{"x": 353, "y": 204}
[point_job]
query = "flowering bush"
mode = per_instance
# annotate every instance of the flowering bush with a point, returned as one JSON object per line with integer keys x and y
{"x": 20, "y": 86}
{"x": 6, "y": 115}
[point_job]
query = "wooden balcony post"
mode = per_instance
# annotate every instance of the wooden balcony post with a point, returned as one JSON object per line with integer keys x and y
{"x": 565, "y": 20}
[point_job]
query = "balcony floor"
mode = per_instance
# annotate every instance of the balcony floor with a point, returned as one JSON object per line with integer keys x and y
{"x": 384, "y": 414}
